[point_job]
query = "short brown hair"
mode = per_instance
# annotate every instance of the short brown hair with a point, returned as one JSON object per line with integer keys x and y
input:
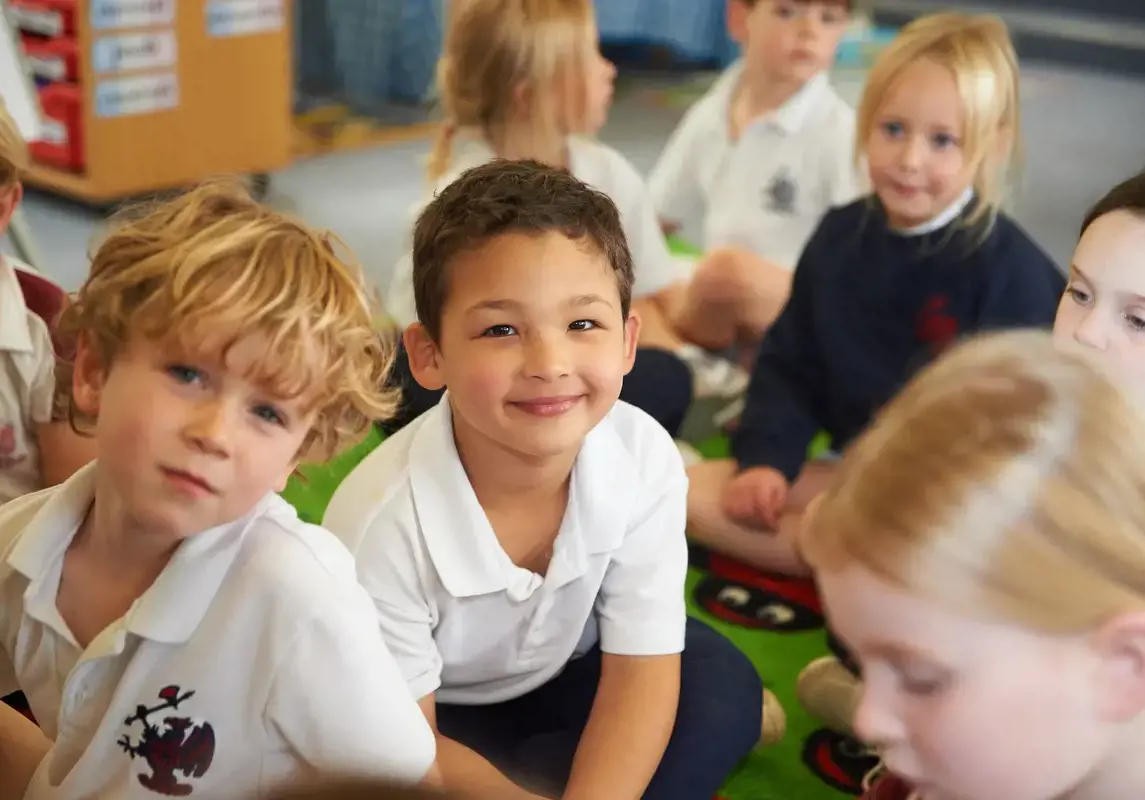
{"x": 1128, "y": 195}
{"x": 848, "y": 4}
{"x": 213, "y": 263}
{"x": 502, "y": 197}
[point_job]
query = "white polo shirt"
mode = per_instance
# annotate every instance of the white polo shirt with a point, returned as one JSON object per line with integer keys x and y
{"x": 460, "y": 618}
{"x": 604, "y": 169}
{"x": 27, "y": 385}
{"x": 253, "y": 655}
{"x": 767, "y": 191}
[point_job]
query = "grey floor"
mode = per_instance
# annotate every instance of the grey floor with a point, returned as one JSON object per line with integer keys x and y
{"x": 1082, "y": 134}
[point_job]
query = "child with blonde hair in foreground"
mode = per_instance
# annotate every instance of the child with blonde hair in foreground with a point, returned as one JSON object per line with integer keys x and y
{"x": 981, "y": 553}
{"x": 175, "y": 627}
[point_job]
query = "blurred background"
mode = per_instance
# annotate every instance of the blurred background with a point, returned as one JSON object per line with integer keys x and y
{"x": 328, "y": 104}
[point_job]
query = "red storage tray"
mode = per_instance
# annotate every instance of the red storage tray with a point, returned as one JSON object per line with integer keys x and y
{"x": 61, "y": 144}
{"x": 52, "y": 60}
{"x": 44, "y": 17}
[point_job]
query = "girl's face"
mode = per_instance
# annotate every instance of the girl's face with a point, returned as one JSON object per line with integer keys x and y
{"x": 914, "y": 151}
{"x": 600, "y": 73}
{"x": 1103, "y": 308}
{"x": 966, "y": 709}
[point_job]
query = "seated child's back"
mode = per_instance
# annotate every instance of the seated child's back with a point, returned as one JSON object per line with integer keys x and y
{"x": 175, "y": 627}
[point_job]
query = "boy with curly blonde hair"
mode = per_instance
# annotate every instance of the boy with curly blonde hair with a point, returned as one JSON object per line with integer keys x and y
{"x": 174, "y": 626}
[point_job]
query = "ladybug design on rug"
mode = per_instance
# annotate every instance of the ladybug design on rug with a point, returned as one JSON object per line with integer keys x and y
{"x": 841, "y": 762}
{"x": 178, "y": 745}
{"x": 749, "y": 598}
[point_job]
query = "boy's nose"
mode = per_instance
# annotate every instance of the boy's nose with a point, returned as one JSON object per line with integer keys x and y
{"x": 210, "y": 428}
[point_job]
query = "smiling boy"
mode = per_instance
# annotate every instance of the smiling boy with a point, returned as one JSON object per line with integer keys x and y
{"x": 524, "y": 540}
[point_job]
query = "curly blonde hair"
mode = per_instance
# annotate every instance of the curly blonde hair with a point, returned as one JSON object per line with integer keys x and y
{"x": 13, "y": 150}
{"x": 212, "y": 265}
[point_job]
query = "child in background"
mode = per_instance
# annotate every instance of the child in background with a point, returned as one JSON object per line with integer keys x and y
{"x": 762, "y": 157}
{"x": 524, "y": 539}
{"x": 165, "y": 592}
{"x": 1103, "y": 307}
{"x": 981, "y": 554}
{"x": 1101, "y": 311}
{"x": 886, "y": 283}
{"x": 504, "y": 97}
{"x": 37, "y": 449}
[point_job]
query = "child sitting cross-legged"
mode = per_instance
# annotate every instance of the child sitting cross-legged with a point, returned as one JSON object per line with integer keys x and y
{"x": 524, "y": 540}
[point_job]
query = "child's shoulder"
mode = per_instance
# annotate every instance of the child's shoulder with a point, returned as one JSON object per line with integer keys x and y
{"x": 649, "y": 448}
{"x": 1009, "y": 244}
{"x": 27, "y": 517}
{"x": 287, "y": 563}
{"x": 602, "y": 166}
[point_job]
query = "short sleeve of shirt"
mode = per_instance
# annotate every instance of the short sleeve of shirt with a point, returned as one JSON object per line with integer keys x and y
{"x": 641, "y": 604}
{"x": 655, "y": 267}
{"x": 389, "y": 572}
{"x": 673, "y": 182}
{"x": 340, "y": 702}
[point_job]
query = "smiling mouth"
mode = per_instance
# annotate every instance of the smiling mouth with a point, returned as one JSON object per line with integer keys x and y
{"x": 548, "y": 406}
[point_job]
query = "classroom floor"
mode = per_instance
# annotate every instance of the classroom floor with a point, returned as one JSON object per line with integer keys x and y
{"x": 1082, "y": 134}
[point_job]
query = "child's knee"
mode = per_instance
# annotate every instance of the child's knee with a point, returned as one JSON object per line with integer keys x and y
{"x": 720, "y": 687}
{"x": 721, "y": 277}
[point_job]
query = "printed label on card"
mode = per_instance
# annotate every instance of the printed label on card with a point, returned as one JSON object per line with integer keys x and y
{"x": 142, "y": 95}
{"x": 108, "y": 14}
{"x": 244, "y": 17}
{"x": 134, "y": 51}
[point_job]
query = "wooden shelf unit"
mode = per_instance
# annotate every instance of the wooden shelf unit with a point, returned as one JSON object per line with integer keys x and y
{"x": 233, "y": 114}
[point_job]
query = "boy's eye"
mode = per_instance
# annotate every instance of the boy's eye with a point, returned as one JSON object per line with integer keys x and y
{"x": 583, "y": 325}
{"x": 184, "y": 374}
{"x": 944, "y": 140}
{"x": 893, "y": 129}
{"x": 499, "y": 331}
{"x": 270, "y": 414}
{"x": 1135, "y": 322}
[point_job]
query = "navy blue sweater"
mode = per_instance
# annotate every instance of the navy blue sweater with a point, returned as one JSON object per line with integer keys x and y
{"x": 868, "y": 308}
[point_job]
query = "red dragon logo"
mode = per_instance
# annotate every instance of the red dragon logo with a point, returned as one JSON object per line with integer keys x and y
{"x": 180, "y": 746}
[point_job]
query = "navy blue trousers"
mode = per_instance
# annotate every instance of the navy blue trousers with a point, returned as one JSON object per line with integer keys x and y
{"x": 659, "y": 384}
{"x": 533, "y": 738}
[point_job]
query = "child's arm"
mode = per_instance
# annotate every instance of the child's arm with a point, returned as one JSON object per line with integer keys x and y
{"x": 628, "y": 728}
{"x": 783, "y": 407}
{"x": 464, "y": 769}
{"x": 642, "y": 621}
{"x": 22, "y": 747}
{"x": 338, "y": 698}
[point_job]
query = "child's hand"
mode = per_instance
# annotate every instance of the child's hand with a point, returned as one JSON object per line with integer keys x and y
{"x": 756, "y": 497}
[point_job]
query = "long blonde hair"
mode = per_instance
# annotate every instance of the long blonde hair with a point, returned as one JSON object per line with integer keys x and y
{"x": 978, "y": 52}
{"x": 1006, "y": 482}
{"x": 493, "y": 50}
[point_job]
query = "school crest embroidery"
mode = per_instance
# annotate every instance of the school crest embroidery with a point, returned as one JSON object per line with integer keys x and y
{"x": 175, "y": 745}
{"x": 780, "y": 194}
{"x": 935, "y": 326}
{"x": 8, "y": 455}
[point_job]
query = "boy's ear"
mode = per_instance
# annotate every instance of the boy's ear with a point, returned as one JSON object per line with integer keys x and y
{"x": 631, "y": 340}
{"x": 738, "y": 12}
{"x": 88, "y": 376}
{"x": 424, "y": 357}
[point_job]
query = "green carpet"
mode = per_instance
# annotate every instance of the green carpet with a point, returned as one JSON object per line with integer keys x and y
{"x": 777, "y": 773}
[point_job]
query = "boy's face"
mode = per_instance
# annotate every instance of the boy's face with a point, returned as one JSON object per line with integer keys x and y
{"x": 187, "y": 442}
{"x": 788, "y": 41}
{"x": 1103, "y": 308}
{"x": 533, "y": 347}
